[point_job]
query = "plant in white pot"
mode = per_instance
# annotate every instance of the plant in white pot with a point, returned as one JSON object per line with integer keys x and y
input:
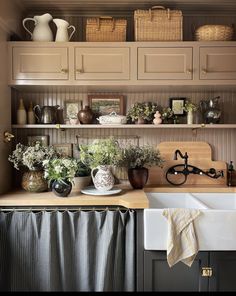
{"x": 100, "y": 156}
{"x": 190, "y": 108}
{"x": 136, "y": 159}
{"x": 82, "y": 177}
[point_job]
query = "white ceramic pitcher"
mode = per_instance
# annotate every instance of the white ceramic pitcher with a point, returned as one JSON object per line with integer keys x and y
{"x": 103, "y": 180}
{"x": 62, "y": 30}
{"x": 42, "y": 31}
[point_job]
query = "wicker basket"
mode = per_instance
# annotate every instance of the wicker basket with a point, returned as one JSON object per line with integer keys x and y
{"x": 106, "y": 29}
{"x": 214, "y": 33}
{"x": 158, "y": 24}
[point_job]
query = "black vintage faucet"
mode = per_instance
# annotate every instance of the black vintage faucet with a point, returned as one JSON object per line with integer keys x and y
{"x": 186, "y": 169}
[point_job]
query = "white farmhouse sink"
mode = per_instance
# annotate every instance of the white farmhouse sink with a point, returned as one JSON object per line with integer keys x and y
{"x": 215, "y": 227}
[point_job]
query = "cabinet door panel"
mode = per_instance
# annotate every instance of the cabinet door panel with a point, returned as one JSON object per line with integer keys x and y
{"x": 218, "y": 63}
{"x": 102, "y": 63}
{"x": 40, "y": 63}
{"x": 158, "y": 276}
{"x": 165, "y": 63}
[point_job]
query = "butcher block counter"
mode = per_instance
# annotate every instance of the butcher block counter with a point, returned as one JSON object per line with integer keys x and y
{"x": 128, "y": 198}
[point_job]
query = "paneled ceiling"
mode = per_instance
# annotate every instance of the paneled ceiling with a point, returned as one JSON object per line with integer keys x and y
{"x": 79, "y": 6}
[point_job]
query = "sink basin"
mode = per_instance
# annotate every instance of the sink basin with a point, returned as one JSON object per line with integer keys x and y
{"x": 215, "y": 227}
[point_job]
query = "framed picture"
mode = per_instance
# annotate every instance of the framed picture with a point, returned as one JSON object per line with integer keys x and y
{"x": 177, "y": 106}
{"x": 105, "y": 104}
{"x": 64, "y": 149}
{"x": 44, "y": 140}
{"x": 72, "y": 108}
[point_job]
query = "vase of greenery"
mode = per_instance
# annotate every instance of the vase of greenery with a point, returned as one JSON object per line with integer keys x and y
{"x": 60, "y": 173}
{"x": 190, "y": 108}
{"x": 142, "y": 112}
{"x": 82, "y": 177}
{"x": 167, "y": 115}
{"x": 31, "y": 158}
{"x": 136, "y": 159}
{"x": 100, "y": 156}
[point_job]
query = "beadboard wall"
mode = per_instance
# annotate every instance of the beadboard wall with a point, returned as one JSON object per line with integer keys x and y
{"x": 223, "y": 141}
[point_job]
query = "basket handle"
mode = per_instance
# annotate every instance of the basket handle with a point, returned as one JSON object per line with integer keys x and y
{"x": 161, "y": 8}
{"x": 105, "y": 17}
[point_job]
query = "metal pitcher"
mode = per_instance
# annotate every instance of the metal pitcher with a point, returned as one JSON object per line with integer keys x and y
{"x": 46, "y": 114}
{"x": 210, "y": 110}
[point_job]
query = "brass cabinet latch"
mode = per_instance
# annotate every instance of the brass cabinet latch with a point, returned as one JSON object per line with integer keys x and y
{"x": 207, "y": 271}
{"x": 7, "y": 137}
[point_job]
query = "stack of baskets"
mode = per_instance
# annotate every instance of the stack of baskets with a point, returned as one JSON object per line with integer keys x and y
{"x": 214, "y": 33}
{"x": 106, "y": 29}
{"x": 158, "y": 24}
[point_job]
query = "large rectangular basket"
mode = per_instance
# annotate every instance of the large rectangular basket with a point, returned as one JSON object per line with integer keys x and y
{"x": 158, "y": 24}
{"x": 106, "y": 29}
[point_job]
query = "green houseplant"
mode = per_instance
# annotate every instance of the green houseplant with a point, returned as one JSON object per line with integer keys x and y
{"x": 136, "y": 159}
{"x": 60, "y": 173}
{"x": 142, "y": 112}
{"x": 31, "y": 158}
{"x": 99, "y": 156}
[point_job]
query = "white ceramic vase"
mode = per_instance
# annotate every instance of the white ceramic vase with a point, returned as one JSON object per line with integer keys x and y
{"x": 103, "y": 180}
{"x": 190, "y": 117}
{"x": 62, "y": 34}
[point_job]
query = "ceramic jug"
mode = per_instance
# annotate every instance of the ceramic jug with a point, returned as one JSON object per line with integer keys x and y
{"x": 46, "y": 114}
{"x": 62, "y": 30}
{"x": 42, "y": 31}
{"x": 210, "y": 110}
{"x": 103, "y": 180}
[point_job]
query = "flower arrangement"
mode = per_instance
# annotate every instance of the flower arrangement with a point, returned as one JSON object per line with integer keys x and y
{"x": 31, "y": 157}
{"x": 60, "y": 169}
{"x": 190, "y": 107}
{"x": 139, "y": 157}
{"x": 167, "y": 114}
{"x": 143, "y": 110}
{"x": 100, "y": 152}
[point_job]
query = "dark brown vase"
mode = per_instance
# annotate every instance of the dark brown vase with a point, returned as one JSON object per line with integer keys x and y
{"x": 85, "y": 115}
{"x": 138, "y": 177}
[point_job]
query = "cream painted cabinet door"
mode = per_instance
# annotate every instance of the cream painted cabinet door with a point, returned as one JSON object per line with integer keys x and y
{"x": 100, "y": 63}
{"x": 40, "y": 63}
{"x": 165, "y": 63}
{"x": 218, "y": 63}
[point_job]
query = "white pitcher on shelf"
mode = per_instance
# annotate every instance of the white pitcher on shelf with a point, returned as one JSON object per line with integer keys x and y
{"x": 42, "y": 31}
{"x": 62, "y": 34}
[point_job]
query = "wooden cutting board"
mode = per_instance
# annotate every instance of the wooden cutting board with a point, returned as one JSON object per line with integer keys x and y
{"x": 200, "y": 155}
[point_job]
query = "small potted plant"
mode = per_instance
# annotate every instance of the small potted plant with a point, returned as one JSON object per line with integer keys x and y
{"x": 82, "y": 177}
{"x": 190, "y": 108}
{"x": 100, "y": 155}
{"x": 60, "y": 173}
{"x": 136, "y": 159}
{"x": 167, "y": 115}
{"x": 31, "y": 158}
{"x": 142, "y": 112}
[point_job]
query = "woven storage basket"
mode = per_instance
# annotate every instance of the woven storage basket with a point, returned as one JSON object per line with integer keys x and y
{"x": 214, "y": 33}
{"x": 158, "y": 24}
{"x": 106, "y": 29}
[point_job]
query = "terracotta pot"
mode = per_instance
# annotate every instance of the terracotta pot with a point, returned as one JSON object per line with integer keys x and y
{"x": 80, "y": 183}
{"x": 85, "y": 115}
{"x": 138, "y": 177}
{"x": 33, "y": 181}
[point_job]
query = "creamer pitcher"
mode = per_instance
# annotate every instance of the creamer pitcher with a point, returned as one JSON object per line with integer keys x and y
{"x": 62, "y": 34}
{"x": 42, "y": 31}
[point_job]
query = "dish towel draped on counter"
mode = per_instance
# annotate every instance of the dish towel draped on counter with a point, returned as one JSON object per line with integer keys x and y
{"x": 182, "y": 244}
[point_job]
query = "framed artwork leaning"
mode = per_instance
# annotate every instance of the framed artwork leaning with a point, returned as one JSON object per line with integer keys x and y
{"x": 64, "y": 149}
{"x": 177, "y": 106}
{"x": 105, "y": 104}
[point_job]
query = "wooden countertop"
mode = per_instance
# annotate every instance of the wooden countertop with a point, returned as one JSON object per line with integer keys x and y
{"x": 128, "y": 198}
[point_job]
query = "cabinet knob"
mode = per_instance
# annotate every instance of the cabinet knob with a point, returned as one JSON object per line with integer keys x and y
{"x": 7, "y": 137}
{"x": 204, "y": 71}
{"x": 79, "y": 71}
{"x": 207, "y": 271}
{"x": 64, "y": 71}
{"x": 189, "y": 71}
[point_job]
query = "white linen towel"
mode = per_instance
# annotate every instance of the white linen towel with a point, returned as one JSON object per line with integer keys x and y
{"x": 182, "y": 244}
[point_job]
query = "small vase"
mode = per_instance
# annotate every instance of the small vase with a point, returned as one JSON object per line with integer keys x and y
{"x": 138, "y": 177}
{"x": 140, "y": 120}
{"x": 190, "y": 117}
{"x": 33, "y": 181}
{"x": 85, "y": 115}
{"x": 103, "y": 180}
{"x": 61, "y": 188}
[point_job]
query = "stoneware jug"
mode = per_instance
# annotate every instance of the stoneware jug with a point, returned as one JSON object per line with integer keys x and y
{"x": 42, "y": 31}
{"x": 103, "y": 180}
{"x": 63, "y": 27}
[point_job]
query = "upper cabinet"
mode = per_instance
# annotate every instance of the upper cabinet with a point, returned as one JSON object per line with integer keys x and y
{"x": 218, "y": 63}
{"x": 122, "y": 63}
{"x": 165, "y": 63}
{"x": 40, "y": 63}
{"x": 101, "y": 63}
